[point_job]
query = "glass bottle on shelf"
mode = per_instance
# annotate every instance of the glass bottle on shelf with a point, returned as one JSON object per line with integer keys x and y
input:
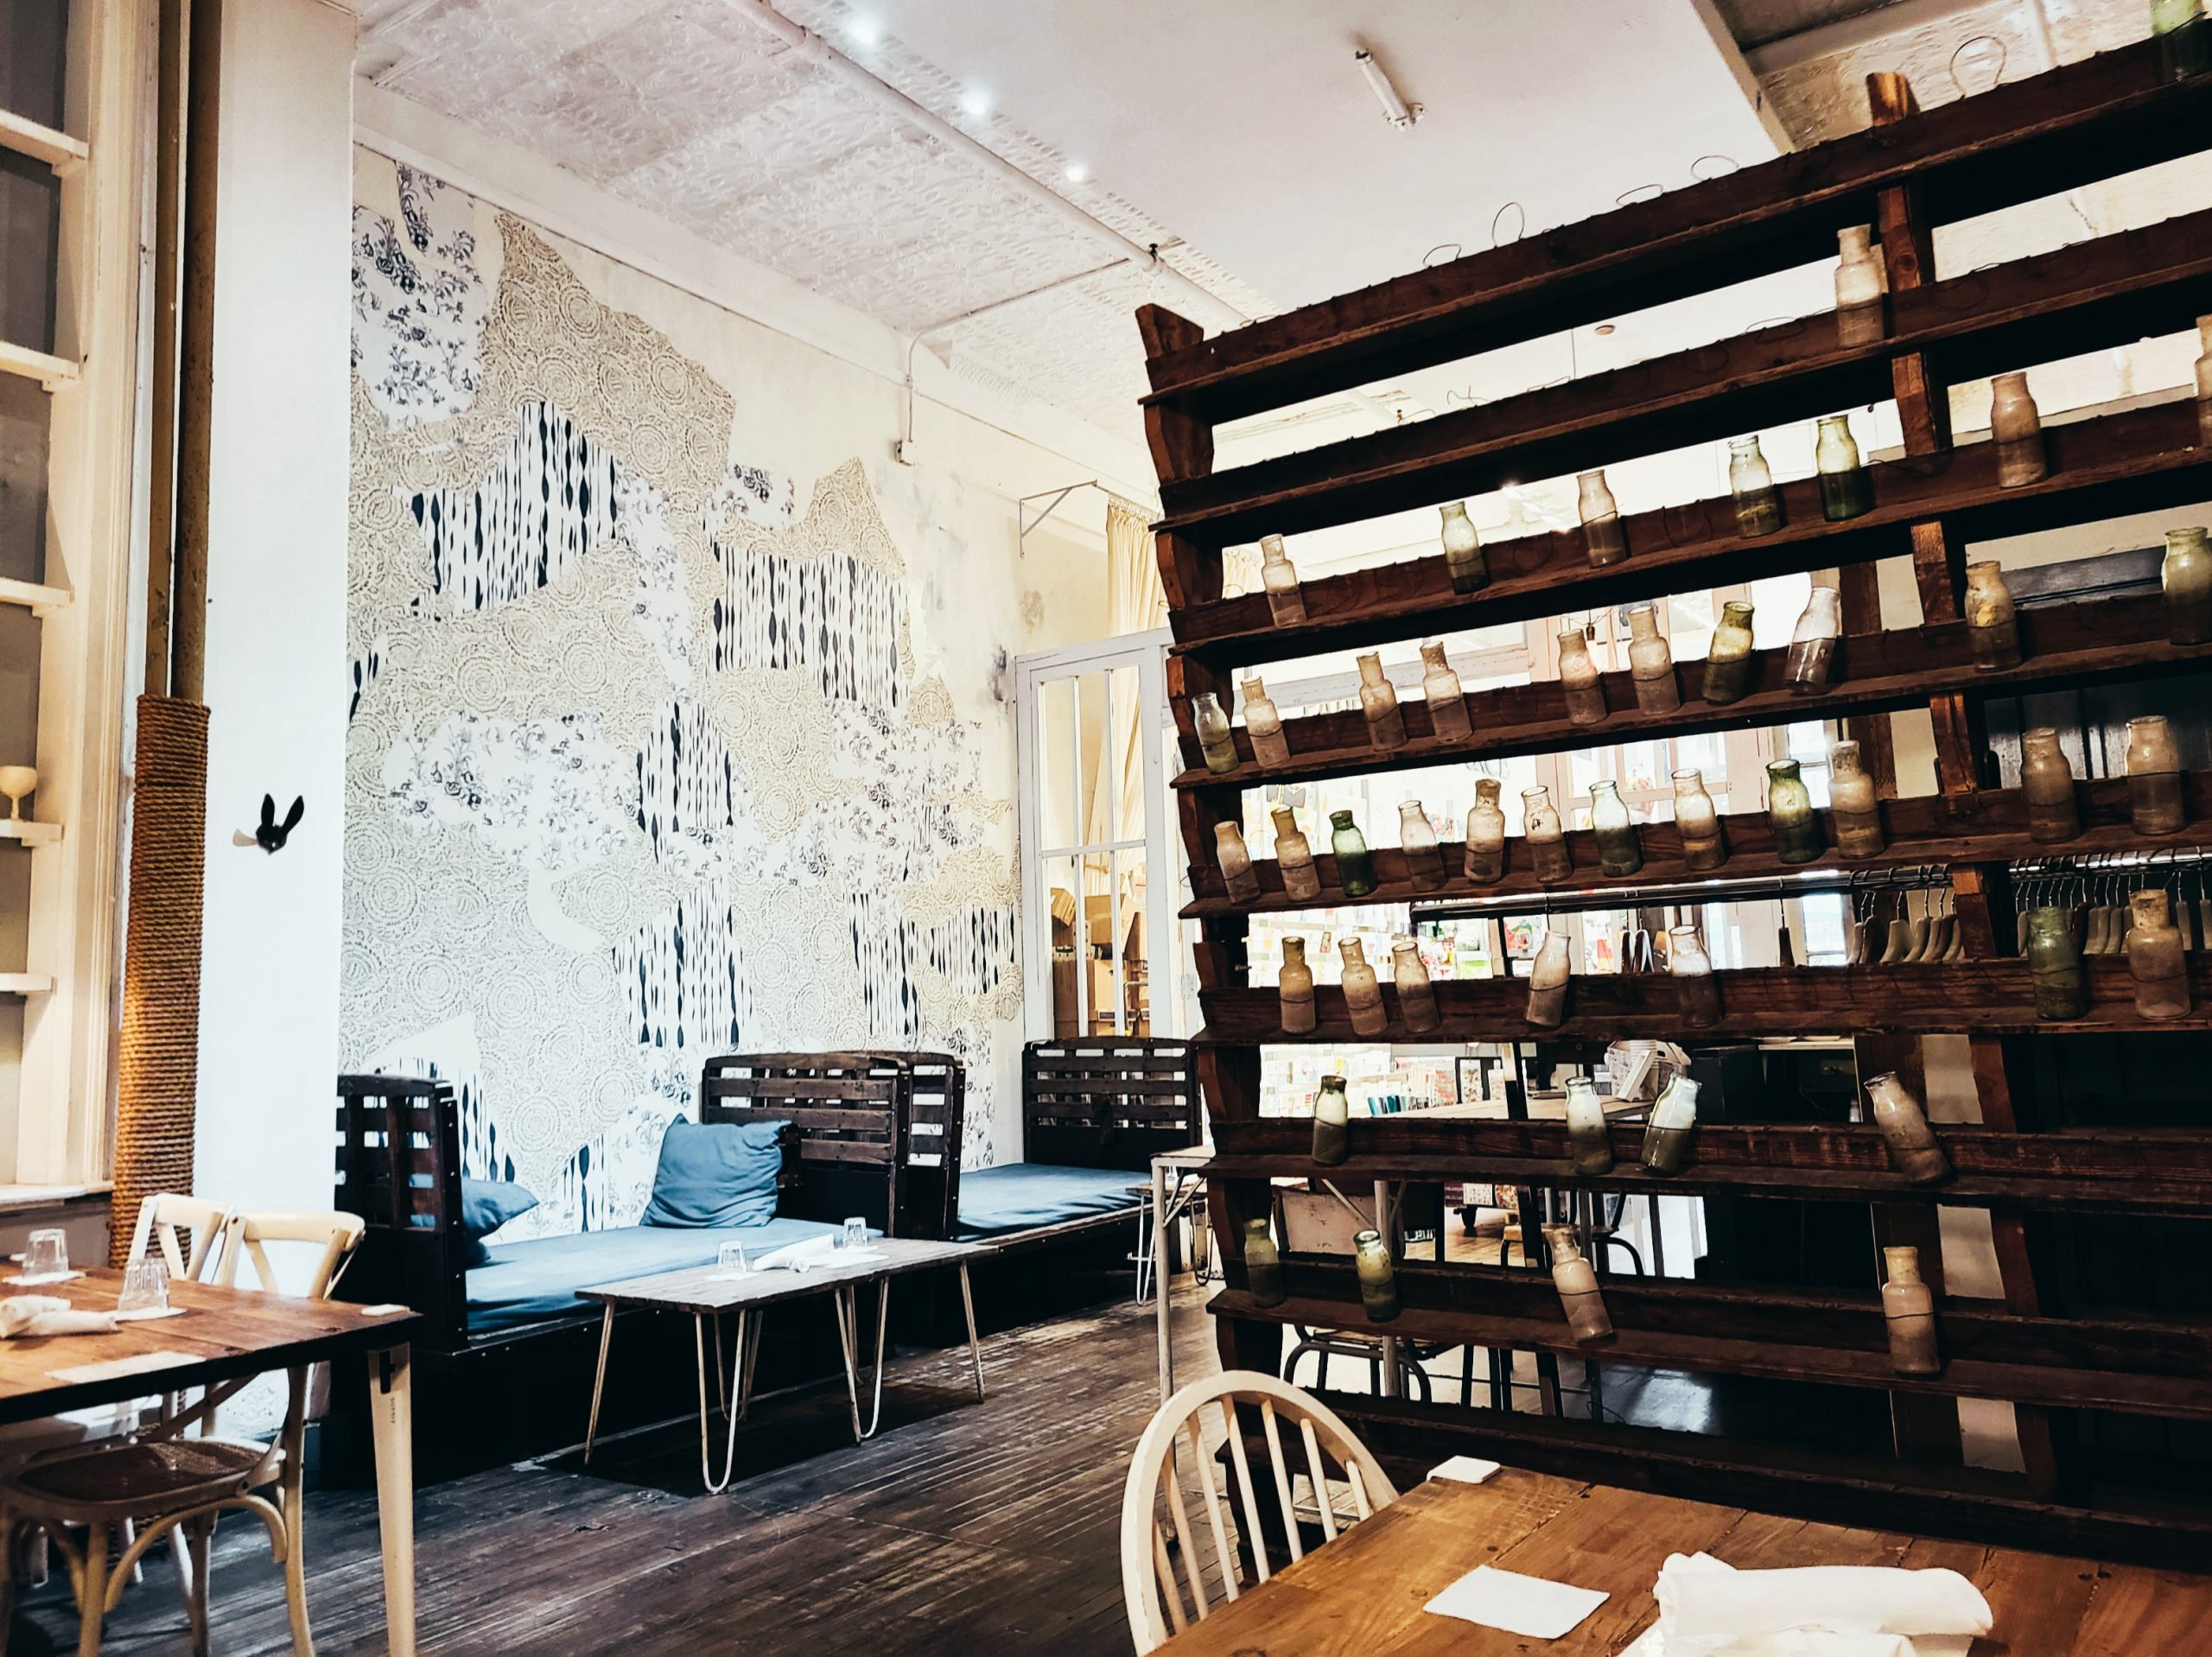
{"x": 1236, "y": 861}
{"x": 1547, "y": 981}
{"x": 1651, "y": 663}
{"x": 1545, "y": 836}
{"x": 2204, "y": 380}
{"x": 1263, "y": 1279}
{"x": 2184, "y": 38}
{"x": 1750, "y": 486}
{"x": 1331, "y": 1112}
{"x": 2185, "y": 577}
{"x": 1576, "y": 1280}
{"x": 1909, "y": 1314}
{"x": 1993, "y": 627}
{"x": 1604, "y": 540}
{"x": 2154, "y": 957}
{"x": 1301, "y": 881}
{"x": 1698, "y": 822}
{"x": 1858, "y": 284}
{"x": 2062, "y": 987}
{"x": 1294, "y": 988}
{"x": 1846, "y": 486}
{"x": 1263, "y": 724}
{"x": 1852, "y": 808}
{"x": 1354, "y": 867}
{"x": 1378, "y": 1277}
{"x": 1697, "y": 992}
{"x": 1666, "y": 1136}
{"x": 1378, "y": 700}
{"x": 1447, "y": 702}
{"x": 1486, "y": 834}
{"x": 1362, "y": 991}
{"x": 1915, "y": 1152}
{"x": 1217, "y": 744}
{"x": 1417, "y": 843}
{"x": 1620, "y": 850}
{"x": 2017, "y": 427}
{"x": 2154, "y": 795}
{"x": 1416, "y": 995}
{"x": 1812, "y": 643}
{"x": 1789, "y": 813}
{"x": 1579, "y": 681}
{"x": 1589, "y": 1142}
{"x": 1279, "y": 577}
{"x": 1728, "y": 659}
{"x": 1463, "y": 551}
{"x": 2047, "y": 781}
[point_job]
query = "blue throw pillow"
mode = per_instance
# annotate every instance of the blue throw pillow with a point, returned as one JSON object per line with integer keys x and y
{"x": 716, "y": 1174}
{"x": 485, "y": 1205}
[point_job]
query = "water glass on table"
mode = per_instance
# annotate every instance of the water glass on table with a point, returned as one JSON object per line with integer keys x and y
{"x": 855, "y": 1235}
{"x": 145, "y": 1287}
{"x": 47, "y": 1257}
{"x": 730, "y": 1261}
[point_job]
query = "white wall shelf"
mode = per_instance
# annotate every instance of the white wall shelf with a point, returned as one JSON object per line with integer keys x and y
{"x": 31, "y": 833}
{"x": 52, "y": 372}
{"x": 41, "y": 601}
{"x": 25, "y": 983}
{"x": 57, "y": 149}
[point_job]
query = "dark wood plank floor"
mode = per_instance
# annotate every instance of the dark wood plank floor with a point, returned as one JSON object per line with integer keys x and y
{"x": 966, "y": 1530}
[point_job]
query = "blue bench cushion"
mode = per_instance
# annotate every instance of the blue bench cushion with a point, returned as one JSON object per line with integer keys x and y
{"x": 525, "y": 1282}
{"x": 716, "y": 1174}
{"x": 1024, "y": 1195}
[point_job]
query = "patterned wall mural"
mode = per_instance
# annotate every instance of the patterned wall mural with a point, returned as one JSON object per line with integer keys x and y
{"x": 640, "y": 766}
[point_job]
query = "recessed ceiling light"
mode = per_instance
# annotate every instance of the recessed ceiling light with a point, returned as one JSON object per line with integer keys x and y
{"x": 865, "y": 31}
{"x": 1077, "y": 173}
{"x": 975, "y": 104}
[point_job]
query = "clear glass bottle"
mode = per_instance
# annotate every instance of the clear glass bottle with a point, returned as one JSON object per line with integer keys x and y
{"x": 2204, "y": 381}
{"x": 1354, "y": 867}
{"x": 1263, "y": 1279}
{"x": 1263, "y": 724}
{"x": 2155, "y": 959}
{"x": 1750, "y": 486}
{"x": 1331, "y": 1112}
{"x": 1549, "y": 859}
{"x": 2185, "y": 577}
{"x": 1236, "y": 861}
{"x": 1416, "y": 995}
{"x": 1909, "y": 1314}
{"x": 1666, "y": 1136}
{"x": 2047, "y": 780}
{"x": 1363, "y": 990}
{"x": 1728, "y": 658}
{"x": 1486, "y": 834}
{"x": 1576, "y": 1279}
{"x": 1589, "y": 1142}
{"x": 1547, "y": 983}
{"x": 1378, "y": 1277}
{"x": 2154, "y": 795}
{"x": 1463, "y": 551}
{"x": 1620, "y": 850}
{"x": 1846, "y": 486}
{"x": 1217, "y": 744}
{"x": 1417, "y": 843}
{"x": 1651, "y": 663}
{"x": 1812, "y": 643}
{"x": 1993, "y": 627}
{"x": 1378, "y": 700}
{"x": 2184, "y": 38}
{"x": 1279, "y": 577}
{"x": 2017, "y": 427}
{"x": 1604, "y": 539}
{"x": 1697, "y": 992}
{"x": 1915, "y": 1152}
{"x": 1579, "y": 680}
{"x": 1698, "y": 822}
{"x": 1447, "y": 702}
{"x": 1301, "y": 880}
{"x": 1294, "y": 988}
{"x": 1789, "y": 812}
{"x": 1852, "y": 808}
{"x": 2055, "y": 968}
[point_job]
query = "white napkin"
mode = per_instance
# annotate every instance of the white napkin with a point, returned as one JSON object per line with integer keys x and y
{"x": 1532, "y": 1607}
{"x": 49, "y": 1314}
{"x": 1706, "y": 1609}
{"x": 798, "y": 1256}
{"x": 1464, "y": 1469}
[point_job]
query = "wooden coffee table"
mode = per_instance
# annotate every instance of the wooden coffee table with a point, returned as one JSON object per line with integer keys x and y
{"x": 707, "y": 1291}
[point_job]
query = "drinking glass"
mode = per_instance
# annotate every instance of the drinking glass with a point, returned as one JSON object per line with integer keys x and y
{"x": 47, "y": 1257}
{"x": 730, "y": 1261}
{"x": 855, "y": 1233}
{"x": 145, "y": 1286}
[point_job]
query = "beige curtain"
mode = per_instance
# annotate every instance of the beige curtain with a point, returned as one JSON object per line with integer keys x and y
{"x": 1136, "y": 603}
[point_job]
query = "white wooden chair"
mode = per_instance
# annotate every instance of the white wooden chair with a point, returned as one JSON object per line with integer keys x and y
{"x": 164, "y": 1481}
{"x": 1159, "y": 1603}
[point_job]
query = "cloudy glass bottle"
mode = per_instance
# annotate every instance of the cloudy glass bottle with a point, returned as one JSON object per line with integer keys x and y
{"x": 1279, "y": 578}
{"x": 1604, "y": 539}
{"x": 1812, "y": 643}
{"x": 1294, "y": 988}
{"x": 1578, "y": 679}
{"x": 1417, "y": 844}
{"x": 1698, "y": 822}
{"x": 1236, "y": 861}
{"x": 1263, "y": 724}
{"x": 1301, "y": 880}
{"x": 2154, "y": 789}
{"x": 1651, "y": 663}
{"x": 1378, "y": 701}
{"x": 1543, "y": 833}
{"x": 1620, "y": 850}
{"x": 2047, "y": 781}
{"x": 1463, "y": 551}
{"x": 1992, "y": 625}
{"x": 1750, "y": 488}
{"x": 1362, "y": 991}
{"x": 1440, "y": 689}
{"x": 1547, "y": 983}
{"x": 1217, "y": 744}
{"x": 2185, "y": 578}
{"x": 1485, "y": 862}
{"x": 1846, "y": 486}
{"x": 1852, "y": 808}
{"x": 1416, "y": 994}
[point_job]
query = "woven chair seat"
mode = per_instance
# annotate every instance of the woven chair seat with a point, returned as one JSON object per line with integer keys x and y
{"x": 145, "y": 1477}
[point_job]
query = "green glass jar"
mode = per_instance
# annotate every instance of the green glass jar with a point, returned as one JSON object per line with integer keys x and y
{"x": 2186, "y": 579}
{"x": 1331, "y": 1111}
{"x": 1263, "y": 1279}
{"x": 1789, "y": 812}
{"x": 1728, "y": 658}
{"x": 1378, "y": 1277}
{"x": 1620, "y": 850}
{"x": 1355, "y": 869}
{"x": 1750, "y": 486}
{"x": 1846, "y": 486}
{"x": 2055, "y": 965}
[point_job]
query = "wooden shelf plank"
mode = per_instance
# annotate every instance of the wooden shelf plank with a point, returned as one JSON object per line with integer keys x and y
{"x": 2038, "y": 136}
{"x": 49, "y": 371}
{"x": 39, "y": 600}
{"x": 57, "y": 149}
{"x": 1979, "y": 997}
{"x": 2064, "y": 643}
{"x": 2087, "y": 297}
{"x": 30, "y": 832}
{"x": 2143, "y": 459}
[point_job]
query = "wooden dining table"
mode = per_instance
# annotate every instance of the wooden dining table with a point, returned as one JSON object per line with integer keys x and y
{"x": 1362, "y": 1595}
{"x": 227, "y": 1334}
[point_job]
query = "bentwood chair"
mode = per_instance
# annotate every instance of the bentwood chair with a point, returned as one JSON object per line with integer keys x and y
{"x": 164, "y": 1482}
{"x": 1202, "y": 1415}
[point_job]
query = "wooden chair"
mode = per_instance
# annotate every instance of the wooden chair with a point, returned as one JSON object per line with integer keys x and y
{"x": 1239, "y": 1535}
{"x": 164, "y": 1482}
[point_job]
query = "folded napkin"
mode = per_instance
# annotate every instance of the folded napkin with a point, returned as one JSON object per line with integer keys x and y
{"x": 47, "y": 1314}
{"x": 798, "y": 1256}
{"x": 1708, "y": 1608}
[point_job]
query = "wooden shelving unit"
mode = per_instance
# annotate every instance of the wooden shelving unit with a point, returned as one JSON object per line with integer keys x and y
{"x": 1909, "y": 172}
